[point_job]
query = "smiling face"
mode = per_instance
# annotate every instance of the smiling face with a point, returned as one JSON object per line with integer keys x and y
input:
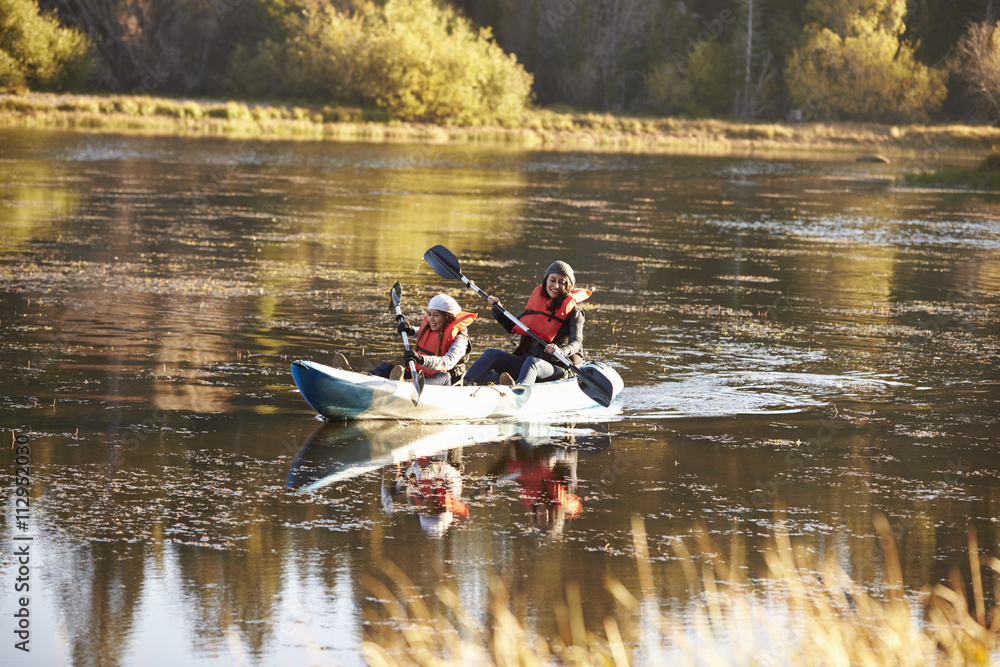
{"x": 435, "y": 319}
{"x": 556, "y": 285}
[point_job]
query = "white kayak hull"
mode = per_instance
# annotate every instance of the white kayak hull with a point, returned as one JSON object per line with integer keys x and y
{"x": 340, "y": 394}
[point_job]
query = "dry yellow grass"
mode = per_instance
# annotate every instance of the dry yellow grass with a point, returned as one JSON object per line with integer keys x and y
{"x": 830, "y": 620}
{"x": 546, "y": 128}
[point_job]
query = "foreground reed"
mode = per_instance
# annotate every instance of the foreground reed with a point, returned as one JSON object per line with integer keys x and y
{"x": 819, "y": 616}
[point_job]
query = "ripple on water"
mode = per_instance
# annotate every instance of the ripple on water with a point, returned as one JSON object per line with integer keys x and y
{"x": 741, "y": 393}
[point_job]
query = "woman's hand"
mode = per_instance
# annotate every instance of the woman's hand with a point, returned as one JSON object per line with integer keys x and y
{"x": 551, "y": 348}
{"x": 494, "y": 302}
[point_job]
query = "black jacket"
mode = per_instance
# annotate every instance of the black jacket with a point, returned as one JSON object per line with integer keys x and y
{"x": 569, "y": 339}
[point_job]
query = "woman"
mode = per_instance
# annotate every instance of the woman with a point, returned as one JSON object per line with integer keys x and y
{"x": 439, "y": 348}
{"x": 553, "y": 316}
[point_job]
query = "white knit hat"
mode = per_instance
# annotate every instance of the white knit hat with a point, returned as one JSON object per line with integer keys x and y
{"x": 445, "y": 304}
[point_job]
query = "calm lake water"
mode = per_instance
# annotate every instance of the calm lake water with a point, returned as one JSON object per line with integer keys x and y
{"x": 793, "y": 332}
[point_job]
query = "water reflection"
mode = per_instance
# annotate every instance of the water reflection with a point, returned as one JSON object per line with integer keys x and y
{"x": 546, "y": 477}
{"x": 422, "y": 468}
{"x": 429, "y": 486}
{"x": 791, "y": 330}
{"x": 339, "y": 451}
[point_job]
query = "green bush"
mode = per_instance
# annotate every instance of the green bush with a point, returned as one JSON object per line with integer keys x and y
{"x": 16, "y": 104}
{"x": 710, "y": 70}
{"x": 342, "y": 114}
{"x": 991, "y": 163}
{"x": 669, "y": 90}
{"x": 191, "y": 109}
{"x": 10, "y": 71}
{"x": 868, "y": 73}
{"x": 414, "y": 59}
{"x": 127, "y": 105}
{"x": 168, "y": 108}
{"x": 699, "y": 84}
{"x": 35, "y": 50}
{"x": 237, "y": 111}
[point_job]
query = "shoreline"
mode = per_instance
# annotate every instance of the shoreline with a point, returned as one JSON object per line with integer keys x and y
{"x": 541, "y": 129}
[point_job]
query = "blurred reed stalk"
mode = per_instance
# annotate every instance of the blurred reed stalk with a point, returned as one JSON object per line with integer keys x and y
{"x": 805, "y": 613}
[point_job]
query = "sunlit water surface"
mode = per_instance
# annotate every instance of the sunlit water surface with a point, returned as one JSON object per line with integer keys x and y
{"x": 797, "y": 333}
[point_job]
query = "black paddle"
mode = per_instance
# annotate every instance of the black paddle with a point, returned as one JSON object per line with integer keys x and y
{"x": 592, "y": 382}
{"x": 418, "y": 378}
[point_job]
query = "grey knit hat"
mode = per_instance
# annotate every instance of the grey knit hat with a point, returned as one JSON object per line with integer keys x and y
{"x": 563, "y": 269}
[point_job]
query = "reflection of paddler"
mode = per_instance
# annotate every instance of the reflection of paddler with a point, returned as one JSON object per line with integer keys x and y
{"x": 548, "y": 488}
{"x": 434, "y": 488}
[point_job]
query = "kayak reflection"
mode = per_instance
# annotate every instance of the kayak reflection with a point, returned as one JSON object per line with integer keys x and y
{"x": 339, "y": 451}
{"x": 423, "y": 469}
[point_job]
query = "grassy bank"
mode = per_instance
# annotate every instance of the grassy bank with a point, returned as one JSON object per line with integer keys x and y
{"x": 986, "y": 176}
{"x": 543, "y": 128}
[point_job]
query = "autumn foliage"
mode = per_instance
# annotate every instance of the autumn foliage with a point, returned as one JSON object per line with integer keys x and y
{"x": 37, "y": 52}
{"x": 413, "y": 59}
{"x": 865, "y": 71}
{"x": 477, "y": 63}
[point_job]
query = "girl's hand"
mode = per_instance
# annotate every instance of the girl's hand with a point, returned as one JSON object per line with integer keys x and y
{"x": 493, "y": 301}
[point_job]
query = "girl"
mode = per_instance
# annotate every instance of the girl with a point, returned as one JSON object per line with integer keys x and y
{"x": 553, "y": 316}
{"x": 439, "y": 348}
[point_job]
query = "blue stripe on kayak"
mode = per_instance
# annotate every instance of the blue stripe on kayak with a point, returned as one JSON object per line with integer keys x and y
{"x": 329, "y": 396}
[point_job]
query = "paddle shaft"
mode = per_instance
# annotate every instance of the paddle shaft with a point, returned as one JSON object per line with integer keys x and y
{"x": 406, "y": 343}
{"x": 541, "y": 341}
{"x": 418, "y": 378}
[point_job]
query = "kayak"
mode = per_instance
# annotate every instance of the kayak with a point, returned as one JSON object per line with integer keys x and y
{"x": 340, "y": 451}
{"x": 341, "y": 394}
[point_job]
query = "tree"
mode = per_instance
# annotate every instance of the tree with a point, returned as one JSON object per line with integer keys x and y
{"x": 414, "y": 59}
{"x": 759, "y": 70}
{"x": 978, "y": 55}
{"x": 38, "y": 52}
{"x": 865, "y": 71}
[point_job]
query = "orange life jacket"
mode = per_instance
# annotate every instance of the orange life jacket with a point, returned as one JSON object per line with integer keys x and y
{"x": 545, "y": 323}
{"x": 437, "y": 343}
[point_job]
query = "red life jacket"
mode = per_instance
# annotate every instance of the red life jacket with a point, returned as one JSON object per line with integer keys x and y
{"x": 434, "y": 495}
{"x": 539, "y": 486}
{"x": 437, "y": 343}
{"x": 545, "y": 323}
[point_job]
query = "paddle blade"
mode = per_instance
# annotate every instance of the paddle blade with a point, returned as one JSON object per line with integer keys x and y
{"x": 418, "y": 385}
{"x": 395, "y": 296}
{"x": 595, "y": 384}
{"x": 444, "y": 263}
